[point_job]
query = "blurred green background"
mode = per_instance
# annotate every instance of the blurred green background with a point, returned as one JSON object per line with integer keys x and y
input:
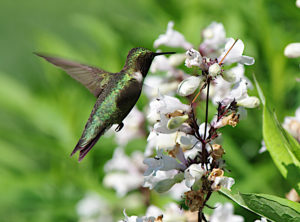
{"x": 43, "y": 111}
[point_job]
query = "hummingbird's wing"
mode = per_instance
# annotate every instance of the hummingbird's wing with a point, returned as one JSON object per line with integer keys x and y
{"x": 92, "y": 78}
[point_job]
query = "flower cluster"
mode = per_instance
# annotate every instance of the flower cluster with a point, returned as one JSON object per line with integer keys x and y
{"x": 187, "y": 152}
{"x": 183, "y": 156}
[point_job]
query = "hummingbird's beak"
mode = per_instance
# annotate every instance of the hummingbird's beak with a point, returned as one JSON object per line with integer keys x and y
{"x": 163, "y": 53}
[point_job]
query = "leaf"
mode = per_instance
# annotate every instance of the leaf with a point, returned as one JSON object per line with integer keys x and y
{"x": 283, "y": 148}
{"x": 271, "y": 207}
{"x": 259, "y": 90}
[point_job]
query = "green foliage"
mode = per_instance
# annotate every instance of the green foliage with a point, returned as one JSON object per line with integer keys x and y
{"x": 283, "y": 148}
{"x": 271, "y": 207}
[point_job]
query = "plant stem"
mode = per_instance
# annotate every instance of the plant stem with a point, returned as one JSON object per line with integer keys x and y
{"x": 204, "y": 142}
{"x": 204, "y": 153}
{"x": 200, "y": 213}
{"x": 206, "y": 108}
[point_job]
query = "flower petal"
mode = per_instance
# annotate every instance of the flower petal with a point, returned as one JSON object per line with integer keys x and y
{"x": 292, "y": 50}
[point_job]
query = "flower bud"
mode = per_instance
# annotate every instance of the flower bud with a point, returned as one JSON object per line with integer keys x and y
{"x": 214, "y": 70}
{"x": 292, "y": 50}
{"x": 249, "y": 102}
{"x": 177, "y": 121}
{"x": 193, "y": 58}
{"x": 188, "y": 86}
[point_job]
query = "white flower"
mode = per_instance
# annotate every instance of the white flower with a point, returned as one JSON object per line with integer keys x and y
{"x": 214, "y": 35}
{"x": 122, "y": 182}
{"x": 292, "y": 124}
{"x": 224, "y": 213}
{"x": 121, "y": 169}
{"x": 236, "y": 53}
{"x": 162, "y": 162}
{"x": 193, "y": 174}
{"x": 152, "y": 180}
{"x": 214, "y": 39}
{"x": 189, "y": 141}
{"x": 160, "y": 141}
{"x": 137, "y": 219}
{"x": 234, "y": 74}
{"x": 167, "y": 104}
{"x": 220, "y": 89}
{"x": 93, "y": 208}
{"x": 160, "y": 107}
{"x": 189, "y": 86}
{"x": 178, "y": 190}
{"x": 261, "y": 220}
{"x": 292, "y": 50}
{"x": 176, "y": 122}
{"x": 154, "y": 85}
{"x": 240, "y": 95}
{"x": 176, "y": 59}
{"x": 132, "y": 127}
{"x": 225, "y": 182}
{"x": 121, "y": 162}
{"x": 166, "y": 184}
{"x": 169, "y": 125}
{"x": 193, "y": 58}
{"x": 166, "y": 64}
{"x": 298, "y": 3}
{"x": 160, "y": 63}
{"x": 172, "y": 38}
{"x": 173, "y": 213}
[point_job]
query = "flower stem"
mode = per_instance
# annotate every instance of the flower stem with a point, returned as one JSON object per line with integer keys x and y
{"x": 200, "y": 213}
{"x": 206, "y": 108}
{"x": 205, "y": 153}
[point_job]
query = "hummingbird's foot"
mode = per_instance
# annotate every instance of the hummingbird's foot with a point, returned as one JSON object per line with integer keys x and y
{"x": 119, "y": 127}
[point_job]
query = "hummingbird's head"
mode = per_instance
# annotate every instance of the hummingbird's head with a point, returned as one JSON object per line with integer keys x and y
{"x": 140, "y": 59}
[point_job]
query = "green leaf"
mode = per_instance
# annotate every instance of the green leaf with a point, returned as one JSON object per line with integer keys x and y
{"x": 271, "y": 207}
{"x": 283, "y": 148}
{"x": 259, "y": 90}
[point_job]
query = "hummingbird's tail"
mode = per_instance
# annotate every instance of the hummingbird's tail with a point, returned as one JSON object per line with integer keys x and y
{"x": 84, "y": 149}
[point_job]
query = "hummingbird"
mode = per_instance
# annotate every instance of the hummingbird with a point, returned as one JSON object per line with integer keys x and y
{"x": 116, "y": 93}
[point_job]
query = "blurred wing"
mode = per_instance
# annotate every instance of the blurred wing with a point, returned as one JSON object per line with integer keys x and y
{"x": 92, "y": 78}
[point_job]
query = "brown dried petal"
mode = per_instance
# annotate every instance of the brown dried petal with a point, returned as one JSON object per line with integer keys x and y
{"x": 194, "y": 199}
{"x": 217, "y": 152}
{"x": 232, "y": 120}
{"x": 159, "y": 219}
{"x": 175, "y": 113}
{"x": 216, "y": 172}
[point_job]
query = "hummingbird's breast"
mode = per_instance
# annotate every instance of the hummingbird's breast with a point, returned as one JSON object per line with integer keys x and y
{"x": 116, "y": 100}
